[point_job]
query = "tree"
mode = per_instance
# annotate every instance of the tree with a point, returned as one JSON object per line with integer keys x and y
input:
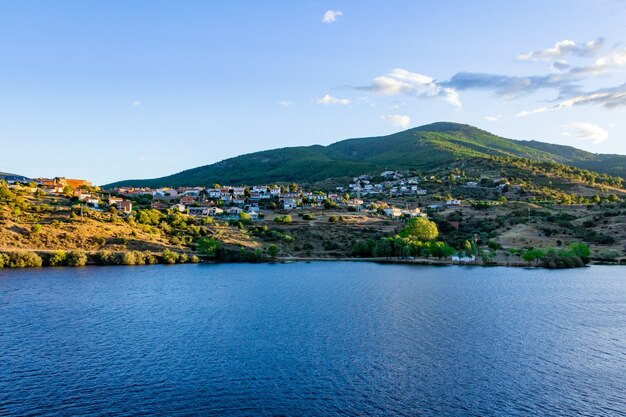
{"x": 581, "y": 250}
{"x": 245, "y": 218}
{"x": 208, "y": 246}
{"x": 272, "y": 251}
{"x": 532, "y": 255}
{"x": 420, "y": 228}
{"x": 441, "y": 250}
{"x": 293, "y": 187}
{"x": 467, "y": 247}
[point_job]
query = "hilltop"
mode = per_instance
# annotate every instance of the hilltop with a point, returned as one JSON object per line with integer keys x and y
{"x": 422, "y": 148}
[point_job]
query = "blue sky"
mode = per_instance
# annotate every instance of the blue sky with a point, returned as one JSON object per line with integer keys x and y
{"x": 121, "y": 89}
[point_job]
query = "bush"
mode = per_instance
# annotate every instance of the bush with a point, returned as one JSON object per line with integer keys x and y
{"x": 333, "y": 219}
{"x": 150, "y": 258}
{"x": 194, "y": 259}
{"x": 24, "y": 260}
{"x": 109, "y": 258}
{"x": 130, "y": 258}
{"x": 4, "y": 260}
{"x": 183, "y": 258}
{"x": 58, "y": 258}
{"x": 76, "y": 258}
{"x": 169, "y": 257}
{"x": 307, "y": 217}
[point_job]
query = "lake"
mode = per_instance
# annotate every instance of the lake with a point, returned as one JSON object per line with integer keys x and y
{"x": 321, "y": 338}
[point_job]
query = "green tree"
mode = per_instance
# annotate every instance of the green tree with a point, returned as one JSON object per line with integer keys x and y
{"x": 420, "y": 228}
{"x": 293, "y": 187}
{"x": 581, "y": 250}
{"x": 208, "y": 246}
{"x": 272, "y": 251}
{"x": 245, "y": 218}
{"x": 532, "y": 255}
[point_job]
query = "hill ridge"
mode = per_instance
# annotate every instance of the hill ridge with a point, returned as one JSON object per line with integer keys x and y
{"x": 421, "y": 148}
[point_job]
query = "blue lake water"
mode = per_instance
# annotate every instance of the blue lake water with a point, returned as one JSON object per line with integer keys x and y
{"x": 312, "y": 339}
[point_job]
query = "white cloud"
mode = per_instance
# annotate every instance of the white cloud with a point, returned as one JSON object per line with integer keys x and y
{"x": 331, "y": 16}
{"x": 136, "y": 103}
{"x": 585, "y": 131}
{"x": 495, "y": 118}
{"x": 401, "y": 81}
{"x": 609, "y": 98}
{"x": 399, "y": 120}
{"x": 563, "y": 48}
{"x": 328, "y": 99}
{"x": 286, "y": 103}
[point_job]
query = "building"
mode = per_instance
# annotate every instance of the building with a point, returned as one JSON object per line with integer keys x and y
{"x": 412, "y": 212}
{"x": 187, "y": 199}
{"x": 158, "y": 205}
{"x": 393, "y": 212}
{"x": 198, "y": 211}
{"x": 125, "y": 206}
{"x": 74, "y": 183}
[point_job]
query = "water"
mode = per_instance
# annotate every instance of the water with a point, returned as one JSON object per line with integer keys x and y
{"x": 312, "y": 339}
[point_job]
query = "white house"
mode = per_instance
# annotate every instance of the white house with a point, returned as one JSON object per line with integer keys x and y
{"x": 289, "y": 203}
{"x": 393, "y": 212}
{"x": 234, "y": 211}
{"x": 453, "y": 202}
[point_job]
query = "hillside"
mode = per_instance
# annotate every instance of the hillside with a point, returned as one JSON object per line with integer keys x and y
{"x": 423, "y": 148}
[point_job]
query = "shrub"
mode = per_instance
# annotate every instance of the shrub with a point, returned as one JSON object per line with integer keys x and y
{"x": 194, "y": 259}
{"x": 58, "y": 258}
{"x": 333, "y": 219}
{"x": 109, "y": 258}
{"x": 169, "y": 257}
{"x": 307, "y": 217}
{"x": 129, "y": 258}
{"x": 24, "y": 260}
{"x": 4, "y": 260}
{"x": 183, "y": 258}
{"x": 150, "y": 259}
{"x": 76, "y": 258}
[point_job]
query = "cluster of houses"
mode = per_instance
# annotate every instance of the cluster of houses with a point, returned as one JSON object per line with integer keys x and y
{"x": 234, "y": 200}
{"x": 393, "y": 184}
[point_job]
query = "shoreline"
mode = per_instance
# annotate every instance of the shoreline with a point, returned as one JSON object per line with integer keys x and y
{"x": 186, "y": 258}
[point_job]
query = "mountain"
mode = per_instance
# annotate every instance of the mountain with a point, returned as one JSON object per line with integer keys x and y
{"x": 8, "y": 177}
{"x": 422, "y": 148}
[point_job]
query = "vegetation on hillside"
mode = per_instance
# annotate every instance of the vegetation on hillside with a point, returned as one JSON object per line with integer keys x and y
{"x": 424, "y": 148}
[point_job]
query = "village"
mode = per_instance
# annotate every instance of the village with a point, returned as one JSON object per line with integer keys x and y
{"x": 394, "y": 194}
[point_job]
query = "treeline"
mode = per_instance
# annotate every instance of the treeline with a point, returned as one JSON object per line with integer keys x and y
{"x": 574, "y": 256}
{"x": 561, "y": 170}
{"x": 26, "y": 259}
{"x": 401, "y": 247}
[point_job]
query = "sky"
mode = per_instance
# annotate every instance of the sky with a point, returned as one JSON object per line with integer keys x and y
{"x": 115, "y": 90}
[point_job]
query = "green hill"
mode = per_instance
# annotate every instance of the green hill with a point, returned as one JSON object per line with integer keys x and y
{"x": 423, "y": 148}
